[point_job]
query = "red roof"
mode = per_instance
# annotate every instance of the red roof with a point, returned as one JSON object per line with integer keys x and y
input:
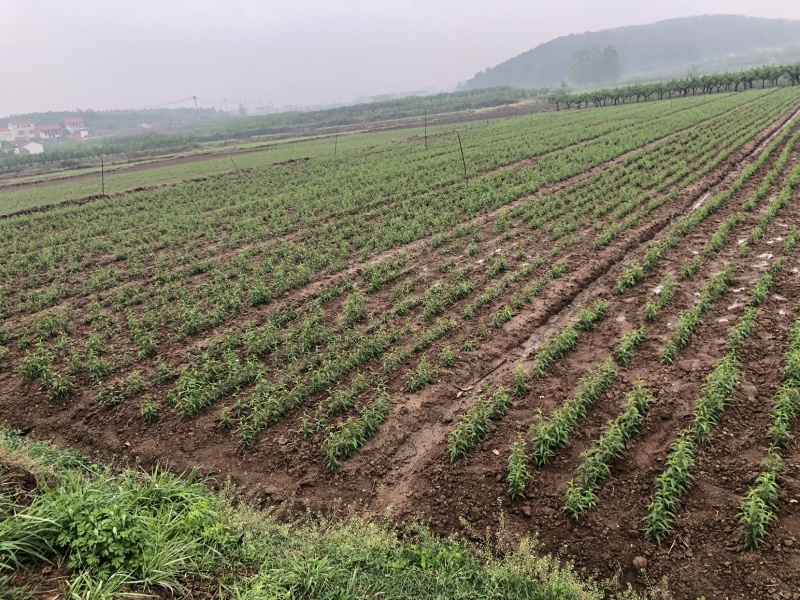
{"x": 21, "y": 123}
{"x": 48, "y": 127}
{"x": 73, "y": 120}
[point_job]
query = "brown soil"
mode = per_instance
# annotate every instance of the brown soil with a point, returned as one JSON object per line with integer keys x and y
{"x": 404, "y": 468}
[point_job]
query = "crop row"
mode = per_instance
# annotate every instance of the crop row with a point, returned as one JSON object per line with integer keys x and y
{"x": 757, "y": 508}
{"x": 657, "y": 250}
{"x": 717, "y": 392}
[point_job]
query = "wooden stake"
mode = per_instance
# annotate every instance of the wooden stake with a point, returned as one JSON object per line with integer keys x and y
{"x": 426, "y": 129}
{"x": 463, "y": 160}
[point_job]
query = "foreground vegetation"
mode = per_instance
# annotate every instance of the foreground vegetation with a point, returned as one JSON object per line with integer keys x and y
{"x": 108, "y": 534}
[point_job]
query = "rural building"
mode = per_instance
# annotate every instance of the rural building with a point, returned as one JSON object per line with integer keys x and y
{"x": 6, "y": 135}
{"x": 48, "y": 132}
{"x": 74, "y": 126}
{"x": 23, "y": 146}
{"x": 22, "y": 129}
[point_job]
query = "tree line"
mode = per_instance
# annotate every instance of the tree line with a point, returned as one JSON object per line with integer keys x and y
{"x": 734, "y": 81}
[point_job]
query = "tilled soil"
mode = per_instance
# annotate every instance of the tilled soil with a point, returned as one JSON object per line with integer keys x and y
{"x": 405, "y": 469}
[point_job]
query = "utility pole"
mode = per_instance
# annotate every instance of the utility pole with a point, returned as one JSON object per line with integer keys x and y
{"x": 335, "y": 141}
{"x": 225, "y": 100}
{"x": 103, "y": 175}
{"x": 426, "y": 130}
{"x": 195, "y": 107}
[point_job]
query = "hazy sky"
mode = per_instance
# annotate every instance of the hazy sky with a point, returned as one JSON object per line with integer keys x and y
{"x": 62, "y": 55}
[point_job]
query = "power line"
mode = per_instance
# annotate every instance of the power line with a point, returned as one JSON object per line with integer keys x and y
{"x": 162, "y": 104}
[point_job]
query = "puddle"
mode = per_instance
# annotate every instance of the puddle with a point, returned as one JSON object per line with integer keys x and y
{"x": 765, "y": 255}
{"x": 738, "y": 290}
{"x": 658, "y": 288}
{"x": 723, "y": 320}
{"x": 621, "y": 318}
{"x": 795, "y": 270}
{"x": 740, "y": 242}
{"x": 779, "y": 298}
{"x": 699, "y": 203}
{"x": 760, "y": 265}
{"x": 736, "y": 305}
{"x": 775, "y": 134}
{"x": 695, "y": 252}
{"x": 782, "y": 312}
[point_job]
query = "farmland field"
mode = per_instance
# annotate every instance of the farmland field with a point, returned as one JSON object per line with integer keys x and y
{"x": 586, "y": 327}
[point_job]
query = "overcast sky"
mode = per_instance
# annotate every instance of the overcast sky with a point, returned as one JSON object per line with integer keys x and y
{"x": 101, "y": 54}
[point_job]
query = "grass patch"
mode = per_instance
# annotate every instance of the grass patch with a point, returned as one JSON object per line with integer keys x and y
{"x": 120, "y": 533}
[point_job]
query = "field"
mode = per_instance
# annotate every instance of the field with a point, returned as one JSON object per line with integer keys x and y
{"x": 41, "y": 190}
{"x": 584, "y": 326}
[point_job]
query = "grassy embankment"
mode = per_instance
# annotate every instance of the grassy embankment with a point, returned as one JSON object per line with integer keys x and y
{"x": 73, "y": 528}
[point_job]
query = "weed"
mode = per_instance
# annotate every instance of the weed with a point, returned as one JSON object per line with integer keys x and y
{"x": 518, "y": 472}
{"x": 149, "y": 409}
{"x": 446, "y": 357}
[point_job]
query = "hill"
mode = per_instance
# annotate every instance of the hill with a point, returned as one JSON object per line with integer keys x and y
{"x": 668, "y": 48}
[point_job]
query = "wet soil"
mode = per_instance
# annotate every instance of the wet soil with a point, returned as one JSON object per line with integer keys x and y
{"x": 404, "y": 468}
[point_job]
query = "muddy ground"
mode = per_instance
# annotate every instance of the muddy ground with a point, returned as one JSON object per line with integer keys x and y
{"x": 404, "y": 468}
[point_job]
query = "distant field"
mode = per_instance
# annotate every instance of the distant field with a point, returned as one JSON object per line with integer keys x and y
{"x": 591, "y": 336}
{"x": 21, "y": 197}
{"x": 216, "y": 157}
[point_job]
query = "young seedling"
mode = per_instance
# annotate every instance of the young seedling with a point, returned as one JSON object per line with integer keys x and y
{"x": 630, "y": 276}
{"x": 628, "y": 345}
{"x": 547, "y": 435}
{"x": 518, "y": 472}
{"x": 757, "y": 509}
{"x": 474, "y": 424}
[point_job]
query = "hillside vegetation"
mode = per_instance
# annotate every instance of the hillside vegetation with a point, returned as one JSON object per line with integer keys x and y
{"x": 664, "y": 49}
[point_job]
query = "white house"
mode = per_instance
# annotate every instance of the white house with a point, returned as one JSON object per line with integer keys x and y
{"x": 74, "y": 126}
{"x": 6, "y": 135}
{"x": 25, "y": 147}
{"x": 22, "y": 129}
{"x": 48, "y": 132}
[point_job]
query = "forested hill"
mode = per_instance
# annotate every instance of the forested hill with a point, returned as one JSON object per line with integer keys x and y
{"x": 658, "y": 50}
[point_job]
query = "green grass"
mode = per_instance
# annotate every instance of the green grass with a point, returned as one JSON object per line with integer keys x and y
{"x": 16, "y": 199}
{"x": 118, "y": 533}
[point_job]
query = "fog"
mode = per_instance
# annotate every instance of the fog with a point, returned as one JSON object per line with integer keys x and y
{"x": 133, "y": 54}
